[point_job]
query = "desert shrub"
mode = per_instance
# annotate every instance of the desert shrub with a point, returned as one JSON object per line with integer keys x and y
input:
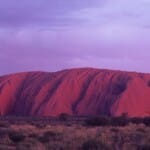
{"x": 117, "y": 121}
{"x": 57, "y": 146}
{"x": 140, "y": 130}
{"x": 120, "y": 120}
{"x": 34, "y": 145}
{"x": 105, "y": 121}
{"x": 23, "y": 147}
{"x": 40, "y": 125}
{"x": 63, "y": 116}
{"x": 98, "y": 121}
{"x": 4, "y": 124}
{"x": 136, "y": 120}
{"x": 144, "y": 147}
{"x": 3, "y": 133}
{"x": 93, "y": 144}
{"x": 49, "y": 135}
{"x": 16, "y": 136}
{"x": 117, "y": 140}
{"x": 114, "y": 130}
{"x": 90, "y": 144}
{"x": 33, "y": 135}
{"x": 136, "y": 137}
{"x": 146, "y": 121}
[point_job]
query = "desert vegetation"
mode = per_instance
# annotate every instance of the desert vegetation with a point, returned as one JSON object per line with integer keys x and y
{"x": 76, "y": 133}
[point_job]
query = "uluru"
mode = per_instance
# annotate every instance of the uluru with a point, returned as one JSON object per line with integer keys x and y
{"x": 83, "y": 91}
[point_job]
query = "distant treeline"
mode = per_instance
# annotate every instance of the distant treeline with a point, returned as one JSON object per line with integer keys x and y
{"x": 122, "y": 120}
{"x": 64, "y": 118}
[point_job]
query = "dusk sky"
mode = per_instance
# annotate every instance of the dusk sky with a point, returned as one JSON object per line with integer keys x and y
{"x": 51, "y": 35}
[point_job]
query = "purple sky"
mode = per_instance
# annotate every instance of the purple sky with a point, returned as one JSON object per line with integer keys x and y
{"x": 50, "y": 35}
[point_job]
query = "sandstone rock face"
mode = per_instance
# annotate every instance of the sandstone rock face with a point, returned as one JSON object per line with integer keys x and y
{"x": 83, "y": 91}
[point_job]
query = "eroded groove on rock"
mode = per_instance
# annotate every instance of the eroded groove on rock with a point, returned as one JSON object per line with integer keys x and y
{"x": 86, "y": 85}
